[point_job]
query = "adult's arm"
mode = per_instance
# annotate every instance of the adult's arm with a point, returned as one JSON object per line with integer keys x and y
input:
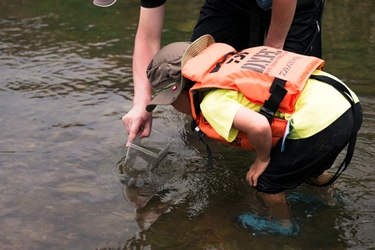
{"x": 281, "y": 20}
{"x": 259, "y": 132}
{"x": 138, "y": 121}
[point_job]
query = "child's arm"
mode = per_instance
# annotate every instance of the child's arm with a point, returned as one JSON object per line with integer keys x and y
{"x": 259, "y": 132}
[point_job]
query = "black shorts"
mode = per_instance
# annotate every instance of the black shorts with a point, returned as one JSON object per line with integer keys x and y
{"x": 229, "y": 21}
{"x": 306, "y": 158}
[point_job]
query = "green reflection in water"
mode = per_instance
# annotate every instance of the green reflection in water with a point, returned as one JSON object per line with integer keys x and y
{"x": 348, "y": 30}
{"x": 349, "y": 43}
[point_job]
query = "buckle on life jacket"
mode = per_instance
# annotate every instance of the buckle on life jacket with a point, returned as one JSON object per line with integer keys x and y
{"x": 268, "y": 113}
{"x": 271, "y": 105}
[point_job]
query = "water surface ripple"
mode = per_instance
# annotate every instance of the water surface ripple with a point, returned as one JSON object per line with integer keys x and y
{"x": 65, "y": 83}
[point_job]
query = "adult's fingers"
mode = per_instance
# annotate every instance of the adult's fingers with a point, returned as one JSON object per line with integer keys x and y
{"x": 131, "y": 139}
{"x": 133, "y": 129}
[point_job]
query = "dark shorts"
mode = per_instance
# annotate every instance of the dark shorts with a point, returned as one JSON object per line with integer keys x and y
{"x": 229, "y": 21}
{"x": 306, "y": 158}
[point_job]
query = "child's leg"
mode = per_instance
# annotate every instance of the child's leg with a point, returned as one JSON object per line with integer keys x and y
{"x": 326, "y": 193}
{"x": 323, "y": 178}
{"x": 277, "y": 207}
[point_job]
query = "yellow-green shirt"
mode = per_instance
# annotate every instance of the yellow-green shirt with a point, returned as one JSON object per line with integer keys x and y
{"x": 318, "y": 106}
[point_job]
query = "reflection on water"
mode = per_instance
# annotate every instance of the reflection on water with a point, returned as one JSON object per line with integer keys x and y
{"x": 65, "y": 70}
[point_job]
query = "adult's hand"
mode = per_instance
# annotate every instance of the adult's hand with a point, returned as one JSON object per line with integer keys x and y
{"x": 138, "y": 122}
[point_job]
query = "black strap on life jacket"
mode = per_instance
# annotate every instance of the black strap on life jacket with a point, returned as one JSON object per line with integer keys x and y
{"x": 271, "y": 105}
{"x": 218, "y": 64}
{"x": 353, "y": 137}
{"x": 195, "y": 128}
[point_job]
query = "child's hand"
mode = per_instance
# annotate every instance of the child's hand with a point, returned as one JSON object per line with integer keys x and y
{"x": 256, "y": 169}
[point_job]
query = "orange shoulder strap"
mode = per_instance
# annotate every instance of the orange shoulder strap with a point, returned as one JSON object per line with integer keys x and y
{"x": 196, "y": 68}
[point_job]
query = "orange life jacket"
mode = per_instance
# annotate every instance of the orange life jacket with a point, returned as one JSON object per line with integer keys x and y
{"x": 270, "y": 77}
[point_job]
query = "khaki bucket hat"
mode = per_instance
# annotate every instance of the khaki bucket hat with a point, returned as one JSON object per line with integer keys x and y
{"x": 164, "y": 71}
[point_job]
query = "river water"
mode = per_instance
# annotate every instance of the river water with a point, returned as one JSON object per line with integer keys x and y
{"x": 65, "y": 82}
